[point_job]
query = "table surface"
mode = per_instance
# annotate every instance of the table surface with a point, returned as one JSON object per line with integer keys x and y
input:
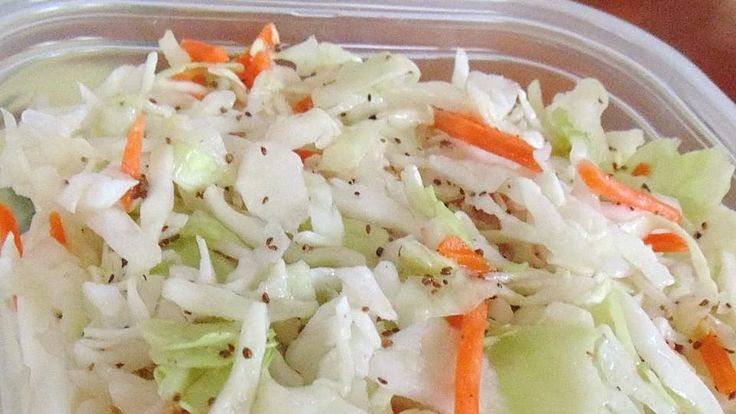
{"x": 703, "y": 30}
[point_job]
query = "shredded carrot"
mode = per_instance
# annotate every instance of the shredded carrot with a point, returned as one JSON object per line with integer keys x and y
{"x": 305, "y": 153}
{"x": 666, "y": 242}
{"x": 131, "y": 163}
{"x": 269, "y": 36}
{"x": 9, "y": 225}
{"x": 469, "y": 360}
{"x": 303, "y": 105}
{"x": 260, "y": 54}
{"x": 204, "y": 52}
{"x": 606, "y": 186}
{"x": 56, "y": 227}
{"x": 719, "y": 364}
{"x": 254, "y": 66}
{"x": 641, "y": 170}
{"x": 483, "y": 136}
{"x": 455, "y": 248}
{"x": 455, "y": 321}
{"x": 196, "y": 75}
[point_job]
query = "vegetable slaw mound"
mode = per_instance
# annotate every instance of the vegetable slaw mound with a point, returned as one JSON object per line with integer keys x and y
{"x": 303, "y": 230}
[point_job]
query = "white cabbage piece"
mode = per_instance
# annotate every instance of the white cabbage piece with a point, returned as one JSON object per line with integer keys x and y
{"x": 312, "y": 127}
{"x": 173, "y": 52}
{"x": 282, "y": 196}
{"x": 322, "y": 396}
{"x": 419, "y": 364}
{"x": 311, "y": 56}
{"x": 674, "y": 372}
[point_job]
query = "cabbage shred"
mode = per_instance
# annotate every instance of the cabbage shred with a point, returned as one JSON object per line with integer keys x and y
{"x": 251, "y": 278}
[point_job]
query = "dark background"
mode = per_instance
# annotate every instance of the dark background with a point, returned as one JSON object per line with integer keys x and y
{"x": 703, "y": 30}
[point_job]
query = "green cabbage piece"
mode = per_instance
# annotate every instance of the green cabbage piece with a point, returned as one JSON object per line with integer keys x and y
{"x": 415, "y": 259}
{"x": 203, "y": 225}
{"x": 187, "y": 249}
{"x": 563, "y": 133}
{"x": 194, "y": 360}
{"x": 424, "y": 201}
{"x": 698, "y": 179}
{"x": 117, "y": 114}
{"x": 366, "y": 243}
{"x": 194, "y": 168}
{"x": 547, "y": 368}
{"x": 576, "y": 116}
{"x": 348, "y": 150}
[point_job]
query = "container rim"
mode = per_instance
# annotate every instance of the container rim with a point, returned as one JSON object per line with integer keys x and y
{"x": 686, "y": 86}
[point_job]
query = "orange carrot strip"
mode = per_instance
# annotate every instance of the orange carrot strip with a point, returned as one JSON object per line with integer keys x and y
{"x": 469, "y": 360}
{"x": 9, "y": 225}
{"x": 455, "y": 321}
{"x": 260, "y": 54}
{"x": 487, "y": 138}
{"x": 257, "y": 64}
{"x": 204, "y": 52}
{"x": 666, "y": 242}
{"x": 131, "y": 163}
{"x": 56, "y": 227}
{"x": 303, "y": 105}
{"x": 455, "y": 248}
{"x": 719, "y": 364}
{"x": 606, "y": 186}
{"x": 196, "y": 75}
{"x": 641, "y": 170}
{"x": 269, "y": 36}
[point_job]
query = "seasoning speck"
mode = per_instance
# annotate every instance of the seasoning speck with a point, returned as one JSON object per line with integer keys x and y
{"x": 379, "y": 251}
{"x": 264, "y": 151}
{"x": 229, "y": 158}
{"x": 265, "y": 298}
{"x": 247, "y": 353}
{"x": 264, "y": 200}
{"x": 382, "y": 381}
